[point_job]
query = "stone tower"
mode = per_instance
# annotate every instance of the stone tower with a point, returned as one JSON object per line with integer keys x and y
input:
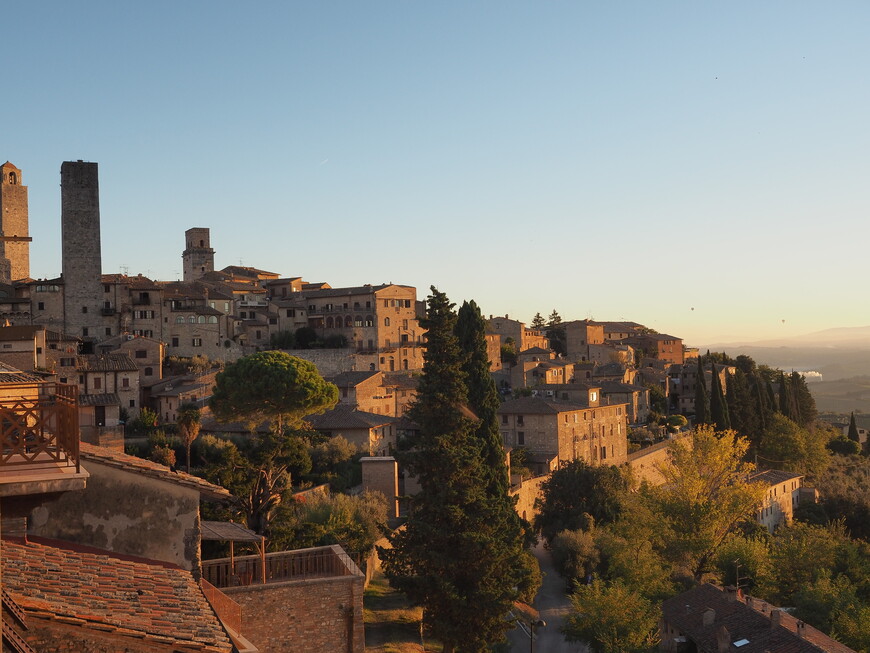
{"x": 198, "y": 257}
{"x": 82, "y": 261}
{"x": 14, "y": 238}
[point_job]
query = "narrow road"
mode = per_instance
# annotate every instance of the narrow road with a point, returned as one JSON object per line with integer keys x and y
{"x": 553, "y": 604}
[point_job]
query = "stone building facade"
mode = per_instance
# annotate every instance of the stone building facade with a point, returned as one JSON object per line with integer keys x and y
{"x": 14, "y": 226}
{"x": 198, "y": 255}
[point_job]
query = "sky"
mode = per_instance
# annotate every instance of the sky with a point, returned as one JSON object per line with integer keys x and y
{"x": 701, "y": 168}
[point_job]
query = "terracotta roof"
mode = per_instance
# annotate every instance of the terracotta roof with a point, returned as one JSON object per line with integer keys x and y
{"x": 350, "y": 379}
{"x": 105, "y": 363}
{"x": 355, "y": 290}
{"x": 774, "y": 476}
{"x": 20, "y": 332}
{"x": 401, "y": 380}
{"x": 345, "y": 417}
{"x": 109, "y": 399}
{"x": 106, "y": 593}
{"x": 750, "y": 620}
{"x": 9, "y": 374}
{"x": 103, "y": 456}
{"x": 537, "y": 406}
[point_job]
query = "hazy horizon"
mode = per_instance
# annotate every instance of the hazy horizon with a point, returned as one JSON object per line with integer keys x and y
{"x": 700, "y": 169}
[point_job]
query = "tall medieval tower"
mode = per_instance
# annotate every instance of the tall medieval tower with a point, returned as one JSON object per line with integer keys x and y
{"x": 82, "y": 260}
{"x": 14, "y": 238}
{"x": 198, "y": 257}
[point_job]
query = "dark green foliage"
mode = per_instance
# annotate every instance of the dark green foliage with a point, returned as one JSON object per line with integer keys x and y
{"x": 305, "y": 337}
{"x": 538, "y": 321}
{"x": 658, "y": 402}
{"x": 258, "y": 471}
{"x": 853, "y": 428}
{"x": 845, "y": 493}
{"x": 718, "y": 406}
{"x": 702, "y": 399}
{"x": 509, "y": 352}
{"x": 843, "y": 446}
{"x": 804, "y": 406}
{"x": 450, "y": 557}
{"x": 742, "y": 406}
{"x": 556, "y": 333}
{"x": 271, "y": 385}
{"x": 335, "y": 341}
{"x": 578, "y": 496}
{"x": 282, "y": 340}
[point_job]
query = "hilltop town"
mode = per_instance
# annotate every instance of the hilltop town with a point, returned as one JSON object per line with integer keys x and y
{"x": 108, "y": 544}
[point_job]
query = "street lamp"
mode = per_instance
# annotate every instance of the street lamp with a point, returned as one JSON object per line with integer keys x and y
{"x": 540, "y": 623}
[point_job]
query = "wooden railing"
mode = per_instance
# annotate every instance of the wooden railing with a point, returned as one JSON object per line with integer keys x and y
{"x": 39, "y": 422}
{"x": 225, "y": 608}
{"x": 318, "y": 562}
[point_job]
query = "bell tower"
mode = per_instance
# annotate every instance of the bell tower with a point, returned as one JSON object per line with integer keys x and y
{"x": 14, "y": 230}
{"x": 198, "y": 256}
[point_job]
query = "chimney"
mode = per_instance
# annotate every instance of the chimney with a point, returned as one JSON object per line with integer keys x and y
{"x": 802, "y": 630}
{"x": 731, "y": 593}
{"x": 723, "y": 640}
{"x": 775, "y": 618}
{"x": 708, "y": 617}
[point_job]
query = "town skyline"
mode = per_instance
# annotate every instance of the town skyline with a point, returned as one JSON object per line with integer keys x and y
{"x": 695, "y": 170}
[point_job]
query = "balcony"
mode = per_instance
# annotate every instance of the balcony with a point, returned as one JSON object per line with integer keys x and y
{"x": 141, "y": 301}
{"x": 302, "y": 564}
{"x": 107, "y": 310}
{"x": 39, "y": 439}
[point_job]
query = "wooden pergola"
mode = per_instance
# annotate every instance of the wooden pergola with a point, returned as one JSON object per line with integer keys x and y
{"x": 220, "y": 531}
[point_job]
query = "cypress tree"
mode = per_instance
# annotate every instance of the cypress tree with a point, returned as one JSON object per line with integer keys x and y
{"x": 804, "y": 404}
{"x": 449, "y": 557}
{"x": 718, "y": 407}
{"x": 741, "y": 404}
{"x": 853, "y": 429}
{"x": 702, "y": 400}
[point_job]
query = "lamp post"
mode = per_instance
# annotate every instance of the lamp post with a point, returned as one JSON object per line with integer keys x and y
{"x": 540, "y": 623}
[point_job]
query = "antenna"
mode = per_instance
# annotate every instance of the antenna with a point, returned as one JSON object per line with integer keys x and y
{"x": 125, "y": 269}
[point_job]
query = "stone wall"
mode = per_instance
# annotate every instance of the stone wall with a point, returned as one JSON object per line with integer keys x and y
{"x": 318, "y": 615}
{"x": 127, "y": 513}
{"x": 645, "y": 463}
{"x": 526, "y": 492}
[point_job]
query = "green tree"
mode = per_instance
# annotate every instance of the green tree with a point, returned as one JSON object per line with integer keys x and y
{"x": 705, "y": 495}
{"x": 258, "y": 472}
{"x": 575, "y": 555}
{"x": 509, "y": 352}
{"x": 804, "y": 404}
{"x": 746, "y": 557}
{"x": 578, "y": 495}
{"x": 658, "y": 402}
{"x": 538, "y": 321}
{"x": 271, "y": 385}
{"x": 786, "y": 445}
{"x": 188, "y": 421}
{"x": 556, "y": 333}
{"x": 702, "y": 399}
{"x": 305, "y": 337}
{"x": 718, "y": 406}
{"x": 449, "y": 557}
{"x": 612, "y": 618}
{"x": 853, "y": 428}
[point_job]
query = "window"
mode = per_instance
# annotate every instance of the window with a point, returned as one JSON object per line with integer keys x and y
{"x": 108, "y": 331}
{"x": 67, "y": 362}
{"x": 98, "y": 383}
{"x": 272, "y": 320}
{"x": 504, "y": 419}
{"x": 125, "y": 382}
{"x": 259, "y": 335}
{"x": 520, "y": 421}
{"x": 7, "y": 345}
{"x": 197, "y": 342}
{"x": 40, "y": 306}
{"x": 141, "y": 353}
{"x": 521, "y": 438}
{"x": 291, "y": 312}
{"x": 386, "y": 321}
{"x": 132, "y": 403}
{"x": 192, "y": 319}
{"x": 357, "y": 321}
{"x": 85, "y": 331}
{"x": 212, "y": 319}
{"x": 243, "y": 315}
{"x": 201, "y": 319}
{"x": 63, "y": 379}
{"x": 179, "y": 319}
{"x": 149, "y": 371}
{"x": 175, "y": 342}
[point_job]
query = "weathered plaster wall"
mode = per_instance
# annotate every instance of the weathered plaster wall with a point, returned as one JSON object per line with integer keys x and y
{"x": 127, "y": 513}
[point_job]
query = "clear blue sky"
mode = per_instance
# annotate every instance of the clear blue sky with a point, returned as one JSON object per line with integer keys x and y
{"x": 703, "y": 168}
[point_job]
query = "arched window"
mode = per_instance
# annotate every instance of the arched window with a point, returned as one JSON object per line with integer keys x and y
{"x": 370, "y": 321}
{"x": 357, "y": 321}
{"x": 212, "y": 319}
{"x": 192, "y": 319}
{"x": 386, "y": 321}
{"x": 13, "y": 178}
{"x": 329, "y": 323}
{"x": 179, "y": 319}
{"x": 404, "y": 363}
{"x": 348, "y": 321}
{"x": 201, "y": 319}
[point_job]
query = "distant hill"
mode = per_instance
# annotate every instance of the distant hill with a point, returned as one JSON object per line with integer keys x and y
{"x": 853, "y": 337}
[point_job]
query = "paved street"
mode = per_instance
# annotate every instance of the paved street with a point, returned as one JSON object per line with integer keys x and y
{"x": 553, "y": 604}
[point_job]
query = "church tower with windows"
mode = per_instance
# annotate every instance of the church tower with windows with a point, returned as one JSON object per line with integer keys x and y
{"x": 14, "y": 238}
{"x": 198, "y": 257}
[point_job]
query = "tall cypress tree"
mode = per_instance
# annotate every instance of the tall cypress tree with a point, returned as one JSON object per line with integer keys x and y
{"x": 804, "y": 404}
{"x": 718, "y": 407}
{"x": 853, "y": 428}
{"x": 741, "y": 404}
{"x": 449, "y": 558}
{"x": 702, "y": 400}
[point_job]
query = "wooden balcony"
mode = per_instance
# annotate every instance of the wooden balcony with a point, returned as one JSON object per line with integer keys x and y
{"x": 301, "y": 564}
{"x": 39, "y": 438}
